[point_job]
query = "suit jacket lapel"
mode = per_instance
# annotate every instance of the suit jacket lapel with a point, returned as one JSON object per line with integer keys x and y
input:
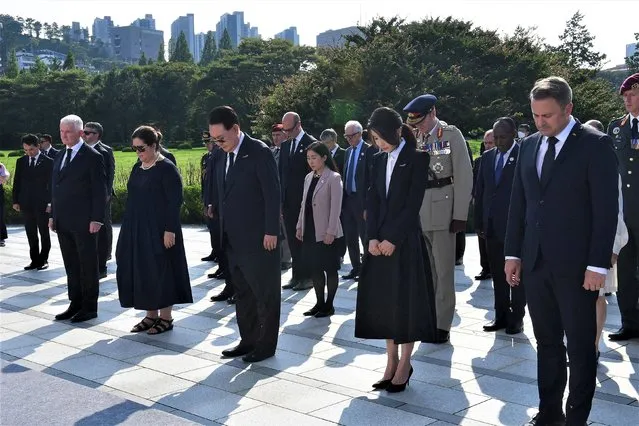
{"x": 322, "y": 180}
{"x": 237, "y": 162}
{"x": 490, "y": 162}
{"x": 400, "y": 165}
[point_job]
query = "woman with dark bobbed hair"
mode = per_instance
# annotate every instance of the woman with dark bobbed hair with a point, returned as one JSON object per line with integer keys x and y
{"x": 395, "y": 299}
{"x": 152, "y": 271}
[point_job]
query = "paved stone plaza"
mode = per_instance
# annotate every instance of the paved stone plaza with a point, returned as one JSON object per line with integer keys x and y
{"x": 98, "y": 373}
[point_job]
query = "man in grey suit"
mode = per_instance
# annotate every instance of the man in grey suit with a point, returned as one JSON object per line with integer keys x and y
{"x": 445, "y": 207}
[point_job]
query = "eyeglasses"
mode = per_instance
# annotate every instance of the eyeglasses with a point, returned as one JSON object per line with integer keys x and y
{"x": 88, "y": 132}
{"x": 138, "y": 148}
{"x": 347, "y": 136}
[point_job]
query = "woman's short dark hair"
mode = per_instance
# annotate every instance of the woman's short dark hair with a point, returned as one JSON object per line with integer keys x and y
{"x": 385, "y": 122}
{"x": 30, "y": 139}
{"x": 320, "y": 149}
{"x": 149, "y": 135}
{"x": 224, "y": 115}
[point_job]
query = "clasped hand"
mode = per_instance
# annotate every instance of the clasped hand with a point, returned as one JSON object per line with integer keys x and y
{"x": 385, "y": 248}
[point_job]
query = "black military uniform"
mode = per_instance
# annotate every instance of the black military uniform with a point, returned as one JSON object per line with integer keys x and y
{"x": 625, "y": 134}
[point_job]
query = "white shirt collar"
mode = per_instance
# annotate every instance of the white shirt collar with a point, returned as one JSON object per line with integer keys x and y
{"x": 632, "y": 117}
{"x": 434, "y": 129}
{"x": 237, "y": 148}
{"x": 334, "y": 150}
{"x": 76, "y": 147}
{"x": 563, "y": 135}
{"x": 394, "y": 154}
{"x": 299, "y": 137}
{"x": 35, "y": 158}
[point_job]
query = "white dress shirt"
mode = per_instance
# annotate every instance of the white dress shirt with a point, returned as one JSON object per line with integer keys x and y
{"x": 235, "y": 151}
{"x": 506, "y": 156}
{"x": 35, "y": 159}
{"x": 391, "y": 161}
{"x": 74, "y": 151}
{"x": 295, "y": 142}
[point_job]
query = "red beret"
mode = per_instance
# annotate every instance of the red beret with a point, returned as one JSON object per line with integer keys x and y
{"x": 631, "y": 82}
{"x": 277, "y": 128}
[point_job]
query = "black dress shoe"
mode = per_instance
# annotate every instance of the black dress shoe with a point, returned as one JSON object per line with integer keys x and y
{"x": 31, "y": 266}
{"x": 483, "y": 275}
{"x": 515, "y": 328}
{"x": 442, "y": 336}
{"x": 231, "y": 300}
{"x": 220, "y": 297}
{"x": 543, "y": 420}
{"x": 209, "y": 258}
{"x": 285, "y": 266}
{"x": 103, "y": 274}
{"x": 219, "y": 274}
{"x": 323, "y": 313}
{"x": 239, "y": 350}
{"x": 84, "y": 316}
{"x": 351, "y": 275}
{"x": 291, "y": 284}
{"x": 624, "y": 334}
{"x": 303, "y": 285}
{"x": 495, "y": 325}
{"x": 459, "y": 262}
{"x": 257, "y": 356}
{"x": 44, "y": 266}
{"x": 68, "y": 314}
{"x": 311, "y": 312}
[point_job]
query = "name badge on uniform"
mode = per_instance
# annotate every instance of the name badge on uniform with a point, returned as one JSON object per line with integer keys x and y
{"x": 616, "y": 131}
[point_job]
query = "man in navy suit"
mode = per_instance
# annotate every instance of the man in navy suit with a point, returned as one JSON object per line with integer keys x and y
{"x": 561, "y": 228}
{"x": 293, "y": 168}
{"x": 45, "y": 146}
{"x": 78, "y": 200}
{"x": 249, "y": 206}
{"x": 492, "y": 201}
{"x": 358, "y": 162}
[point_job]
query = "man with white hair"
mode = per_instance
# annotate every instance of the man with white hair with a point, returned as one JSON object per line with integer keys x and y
{"x": 357, "y": 167}
{"x": 78, "y": 200}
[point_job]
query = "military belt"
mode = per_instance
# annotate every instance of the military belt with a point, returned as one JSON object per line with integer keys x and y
{"x": 439, "y": 183}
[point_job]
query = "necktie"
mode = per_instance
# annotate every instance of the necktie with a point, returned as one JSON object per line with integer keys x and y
{"x": 500, "y": 167}
{"x": 231, "y": 158}
{"x": 67, "y": 160}
{"x": 32, "y": 162}
{"x": 293, "y": 146}
{"x": 635, "y": 130}
{"x": 350, "y": 173}
{"x": 549, "y": 160}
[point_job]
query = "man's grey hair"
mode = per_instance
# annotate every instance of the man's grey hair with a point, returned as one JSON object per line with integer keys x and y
{"x": 73, "y": 120}
{"x": 595, "y": 124}
{"x": 329, "y": 134}
{"x": 552, "y": 87}
{"x": 356, "y": 124}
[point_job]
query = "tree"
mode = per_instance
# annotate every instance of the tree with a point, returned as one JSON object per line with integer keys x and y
{"x": 65, "y": 33}
{"x": 142, "y": 60}
{"x": 181, "y": 52}
{"x": 225, "y": 42}
{"x": 12, "y": 68}
{"x": 161, "y": 58}
{"x": 37, "y": 27}
{"x": 39, "y": 67}
{"x": 633, "y": 61}
{"x": 28, "y": 25}
{"x": 576, "y": 45}
{"x": 47, "y": 30}
{"x": 55, "y": 64}
{"x": 209, "y": 52}
{"x": 11, "y": 33}
{"x": 69, "y": 62}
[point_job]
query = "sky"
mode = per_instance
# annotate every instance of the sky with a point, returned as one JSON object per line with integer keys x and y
{"x": 612, "y": 22}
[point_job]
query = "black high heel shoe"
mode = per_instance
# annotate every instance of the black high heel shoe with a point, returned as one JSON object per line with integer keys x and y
{"x": 382, "y": 384}
{"x": 393, "y": 388}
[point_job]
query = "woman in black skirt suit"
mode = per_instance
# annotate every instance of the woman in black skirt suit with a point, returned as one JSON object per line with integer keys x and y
{"x": 395, "y": 296}
{"x": 319, "y": 227}
{"x": 152, "y": 271}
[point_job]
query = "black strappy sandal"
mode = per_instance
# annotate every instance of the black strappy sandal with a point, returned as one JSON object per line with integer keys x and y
{"x": 144, "y": 325}
{"x": 160, "y": 326}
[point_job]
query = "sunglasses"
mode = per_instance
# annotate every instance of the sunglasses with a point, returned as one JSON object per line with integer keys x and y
{"x": 87, "y": 133}
{"x": 138, "y": 148}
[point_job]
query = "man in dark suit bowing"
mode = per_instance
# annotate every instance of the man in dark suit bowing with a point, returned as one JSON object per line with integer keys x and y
{"x": 358, "y": 161}
{"x": 560, "y": 234}
{"x": 32, "y": 197}
{"x": 492, "y": 200}
{"x": 329, "y": 138}
{"x": 293, "y": 168}
{"x": 78, "y": 198}
{"x": 249, "y": 200}
{"x": 92, "y": 136}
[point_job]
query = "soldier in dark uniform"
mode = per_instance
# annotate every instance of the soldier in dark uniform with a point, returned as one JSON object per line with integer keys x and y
{"x": 625, "y": 134}
{"x": 210, "y": 223}
{"x": 444, "y": 211}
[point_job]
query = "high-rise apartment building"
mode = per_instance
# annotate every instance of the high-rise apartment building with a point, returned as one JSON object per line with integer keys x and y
{"x": 237, "y": 29}
{"x": 335, "y": 38}
{"x": 103, "y": 29}
{"x": 631, "y": 49}
{"x": 291, "y": 35}
{"x": 130, "y": 42}
{"x": 186, "y": 25}
{"x": 147, "y": 22}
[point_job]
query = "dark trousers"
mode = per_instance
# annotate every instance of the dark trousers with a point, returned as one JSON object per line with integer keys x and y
{"x": 105, "y": 239}
{"x": 354, "y": 228}
{"x": 291, "y": 215}
{"x": 80, "y": 256}
{"x": 460, "y": 245}
{"x": 558, "y": 303}
{"x": 258, "y": 299}
{"x": 510, "y": 302}
{"x": 483, "y": 255}
{"x": 628, "y": 277}
{"x": 213, "y": 225}
{"x": 37, "y": 222}
{"x": 3, "y": 226}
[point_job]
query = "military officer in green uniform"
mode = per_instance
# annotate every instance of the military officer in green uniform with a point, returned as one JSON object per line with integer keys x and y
{"x": 444, "y": 210}
{"x": 625, "y": 134}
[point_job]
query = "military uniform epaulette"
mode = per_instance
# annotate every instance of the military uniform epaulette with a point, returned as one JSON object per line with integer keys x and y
{"x": 614, "y": 120}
